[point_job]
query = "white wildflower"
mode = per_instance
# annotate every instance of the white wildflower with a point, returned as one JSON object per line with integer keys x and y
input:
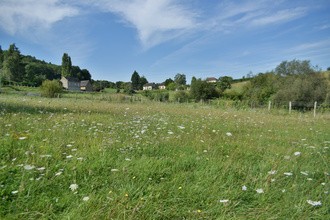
{"x": 244, "y": 187}
{"x": 225, "y": 200}
{"x": 57, "y": 174}
{"x": 114, "y": 170}
{"x": 70, "y": 156}
{"x": 309, "y": 179}
{"x": 41, "y": 168}
{"x": 22, "y": 138}
{"x": 229, "y": 134}
{"x": 128, "y": 159}
{"x": 305, "y": 173}
{"x": 286, "y": 157}
{"x": 86, "y": 198}
{"x": 288, "y": 174}
{"x": 29, "y": 167}
{"x": 73, "y": 187}
{"x": 283, "y": 190}
{"x": 297, "y": 153}
{"x": 14, "y": 192}
{"x": 260, "y": 191}
{"x": 314, "y": 203}
{"x": 272, "y": 172}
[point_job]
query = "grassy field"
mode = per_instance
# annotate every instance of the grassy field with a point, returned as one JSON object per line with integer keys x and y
{"x": 78, "y": 159}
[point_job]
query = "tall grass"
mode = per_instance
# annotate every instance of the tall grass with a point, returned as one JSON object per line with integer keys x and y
{"x": 159, "y": 161}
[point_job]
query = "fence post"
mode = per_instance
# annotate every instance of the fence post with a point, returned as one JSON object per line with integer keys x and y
{"x": 290, "y": 106}
{"x": 251, "y": 104}
{"x": 269, "y": 104}
{"x": 315, "y": 106}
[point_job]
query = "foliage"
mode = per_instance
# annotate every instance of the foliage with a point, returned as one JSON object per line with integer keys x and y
{"x": 180, "y": 79}
{"x": 143, "y": 80}
{"x": 66, "y": 66}
{"x": 181, "y": 96}
{"x": 168, "y": 81}
{"x": 157, "y": 95}
{"x": 200, "y": 89}
{"x": 135, "y": 80}
{"x": 171, "y": 86}
{"x": 12, "y": 64}
{"x": 224, "y": 83}
{"x": 50, "y": 89}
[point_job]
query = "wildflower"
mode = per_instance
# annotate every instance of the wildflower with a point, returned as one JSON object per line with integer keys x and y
{"x": 126, "y": 194}
{"x": 225, "y": 200}
{"x": 314, "y": 203}
{"x": 22, "y": 138}
{"x": 180, "y": 187}
{"x": 133, "y": 177}
{"x": 114, "y": 170}
{"x": 28, "y": 167}
{"x": 59, "y": 173}
{"x": 70, "y": 156}
{"x": 141, "y": 199}
{"x": 128, "y": 159}
{"x": 323, "y": 184}
{"x": 14, "y": 192}
{"x": 244, "y": 188}
{"x": 198, "y": 211}
{"x": 41, "y": 168}
{"x": 73, "y": 187}
{"x": 86, "y": 198}
{"x": 297, "y": 153}
{"x": 272, "y": 172}
{"x": 229, "y": 134}
{"x": 273, "y": 180}
{"x": 260, "y": 191}
{"x": 288, "y": 174}
{"x": 283, "y": 190}
{"x": 170, "y": 132}
{"x": 309, "y": 179}
{"x": 305, "y": 173}
{"x": 110, "y": 191}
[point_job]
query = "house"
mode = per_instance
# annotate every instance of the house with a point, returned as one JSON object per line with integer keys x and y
{"x": 161, "y": 86}
{"x": 211, "y": 80}
{"x": 71, "y": 83}
{"x": 149, "y": 86}
{"x": 86, "y": 86}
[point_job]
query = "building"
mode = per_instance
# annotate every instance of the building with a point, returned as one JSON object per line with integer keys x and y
{"x": 71, "y": 83}
{"x": 149, "y": 86}
{"x": 86, "y": 86}
{"x": 161, "y": 86}
{"x": 211, "y": 80}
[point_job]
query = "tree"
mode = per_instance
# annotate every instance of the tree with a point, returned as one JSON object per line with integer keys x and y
{"x": 168, "y": 81}
{"x": 66, "y": 66}
{"x": 13, "y": 64}
{"x": 224, "y": 83}
{"x": 143, "y": 80}
{"x": 135, "y": 79}
{"x": 180, "y": 79}
{"x": 1, "y": 57}
{"x": 328, "y": 68}
{"x": 50, "y": 89}
{"x": 295, "y": 67}
{"x": 200, "y": 89}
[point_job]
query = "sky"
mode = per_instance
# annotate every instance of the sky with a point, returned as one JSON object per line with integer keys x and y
{"x": 160, "y": 38}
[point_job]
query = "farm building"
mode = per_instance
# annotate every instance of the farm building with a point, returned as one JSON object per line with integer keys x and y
{"x": 162, "y": 86}
{"x": 211, "y": 80}
{"x": 149, "y": 86}
{"x": 86, "y": 86}
{"x": 71, "y": 83}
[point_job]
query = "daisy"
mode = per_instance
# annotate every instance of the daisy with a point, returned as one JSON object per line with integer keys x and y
{"x": 314, "y": 203}
{"x": 260, "y": 191}
{"x": 86, "y": 198}
{"x": 225, "y": 200}
{"x": 73, "y": 187}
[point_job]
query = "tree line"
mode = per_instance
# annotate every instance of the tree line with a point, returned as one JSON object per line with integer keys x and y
{"x": 27, "y": 70}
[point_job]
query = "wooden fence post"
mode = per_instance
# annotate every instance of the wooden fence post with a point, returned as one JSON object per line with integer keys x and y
{"x": 290, "y": 107}
{"x": 315, "y": 106}
{"x": 269, "y": 104}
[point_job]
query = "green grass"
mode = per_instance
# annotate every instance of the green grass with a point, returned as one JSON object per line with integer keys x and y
{"x": 173, "y": 161}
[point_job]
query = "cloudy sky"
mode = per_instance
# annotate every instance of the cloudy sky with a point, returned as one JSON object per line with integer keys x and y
{"x": 160, "y": 38}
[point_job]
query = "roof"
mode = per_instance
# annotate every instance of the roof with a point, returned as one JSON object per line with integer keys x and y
{"x": 72, "y": 79}
{"x": 211, "y": 79}
{"x": 149, "y": 84}
{"x": 162, "y": 84}
{"x": 84, "y": 83}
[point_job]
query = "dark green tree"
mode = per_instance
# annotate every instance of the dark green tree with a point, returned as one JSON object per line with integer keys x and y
{"x": 1, "y": 57}
{"x": 168, "y": 81}
{"x": 13, "y": 64}
{"x": 224, "y": 83}
{"x": 135, "y": 79}
{"x": 66, "y": 66}
{"x": 180, "y": 79}
{"x": 200, "y": 89}
{"x": 143, "y": 80}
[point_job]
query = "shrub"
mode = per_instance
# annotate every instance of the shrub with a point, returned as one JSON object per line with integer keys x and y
{"x": 50, "y": 89}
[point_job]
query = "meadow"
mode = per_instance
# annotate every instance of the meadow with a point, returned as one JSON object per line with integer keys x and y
{"x": 82, "y": 159}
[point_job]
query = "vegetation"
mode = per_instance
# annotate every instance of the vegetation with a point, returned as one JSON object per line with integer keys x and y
{"x": 51, "y": 89}
{"x": 83, "y": 159}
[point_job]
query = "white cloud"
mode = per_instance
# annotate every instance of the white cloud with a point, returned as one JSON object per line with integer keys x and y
{"x": 17, "y": 16}
{"x": 156, "y": 21}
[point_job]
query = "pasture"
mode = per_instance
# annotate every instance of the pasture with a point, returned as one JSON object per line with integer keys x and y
{"x": 78, "y": 159}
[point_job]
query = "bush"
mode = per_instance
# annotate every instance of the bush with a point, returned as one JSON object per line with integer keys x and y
{"x": 50, "y": 89}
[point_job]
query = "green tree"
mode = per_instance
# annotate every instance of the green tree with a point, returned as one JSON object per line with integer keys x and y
{"x": 168, "y": 81}
{"x": 66, "y": 66}
{"x": 200, "y": 89}
{"x": 13, "y": 64}
{"x": 180, "y": 79}
{"x": 224, "y": 83}
{"x": 135, "y": 79}
{"x": 50, "y": 89}
{"x": 1, "y": 57}
{"x": 143, "y": 80}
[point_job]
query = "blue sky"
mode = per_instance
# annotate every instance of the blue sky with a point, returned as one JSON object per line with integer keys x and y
{"x": 160, "y": 38}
